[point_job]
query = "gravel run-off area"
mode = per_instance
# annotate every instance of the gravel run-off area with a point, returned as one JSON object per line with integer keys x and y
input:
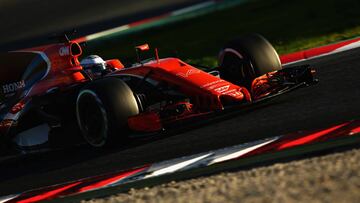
{"x": 330, "y": 178}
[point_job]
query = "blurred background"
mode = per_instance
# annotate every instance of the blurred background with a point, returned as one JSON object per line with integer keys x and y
{"x": 30, "y": 22}
{"x": 194, "y": 36}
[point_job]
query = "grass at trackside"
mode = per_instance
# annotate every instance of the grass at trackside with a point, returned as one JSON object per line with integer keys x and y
{"x": 289, "y": 25}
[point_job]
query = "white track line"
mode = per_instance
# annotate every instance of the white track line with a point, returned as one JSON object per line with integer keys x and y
{"x": 7, "y": 198}
{"x": 107, "y": 32}
{"x": 176, "y": 167}
{"x": 348, "y": 47}
{"x": 234, "y": 155}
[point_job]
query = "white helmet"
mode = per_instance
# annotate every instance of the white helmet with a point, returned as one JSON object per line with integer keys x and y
{"x": 93, "y": 65}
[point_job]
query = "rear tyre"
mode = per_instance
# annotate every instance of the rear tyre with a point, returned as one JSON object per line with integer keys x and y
{"x": 246, "y": 58}
{"x": 102, "y": 110}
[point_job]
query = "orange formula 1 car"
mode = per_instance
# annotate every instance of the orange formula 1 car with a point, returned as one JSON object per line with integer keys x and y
{"x": 45, "y": 92}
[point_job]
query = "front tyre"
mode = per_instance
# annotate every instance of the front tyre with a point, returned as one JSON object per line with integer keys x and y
{"x": 246, "y": 58}
{"x": 102, "y": 111}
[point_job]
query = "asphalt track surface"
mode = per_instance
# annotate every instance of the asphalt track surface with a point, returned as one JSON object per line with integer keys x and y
{"x": 32, "y": 22}
{"x": 334, "y": 100}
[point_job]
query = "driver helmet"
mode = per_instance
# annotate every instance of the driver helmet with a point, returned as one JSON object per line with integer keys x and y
{"x": 94, "y": 65}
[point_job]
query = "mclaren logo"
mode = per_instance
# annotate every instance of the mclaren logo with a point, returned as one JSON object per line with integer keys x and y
{"x": 188, "y": 73}
{"x": 222, "y": 89}
{"x": 12, "y": 87}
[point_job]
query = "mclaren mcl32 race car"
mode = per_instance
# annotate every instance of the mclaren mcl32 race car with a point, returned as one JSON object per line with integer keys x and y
{"x": 46, "y": 92}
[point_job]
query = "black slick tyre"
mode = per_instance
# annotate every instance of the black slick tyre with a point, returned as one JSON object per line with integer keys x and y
{"x": 243, "y": 59}
{"x": 102, "y": 111}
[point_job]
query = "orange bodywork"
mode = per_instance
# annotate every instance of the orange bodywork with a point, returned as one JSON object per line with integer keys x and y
{"x": 261, "y": 86}
{"x": 206, "y": 90}
{"x": 64, "y": 66}
{"x": 181, "y": 91}
{"x": 145, "y": 122}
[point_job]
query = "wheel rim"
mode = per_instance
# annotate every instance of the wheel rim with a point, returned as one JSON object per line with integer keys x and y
{"x": 92, "y": 118}
{"x": 236, "y": 67}
{"x": 233, "y": 67}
